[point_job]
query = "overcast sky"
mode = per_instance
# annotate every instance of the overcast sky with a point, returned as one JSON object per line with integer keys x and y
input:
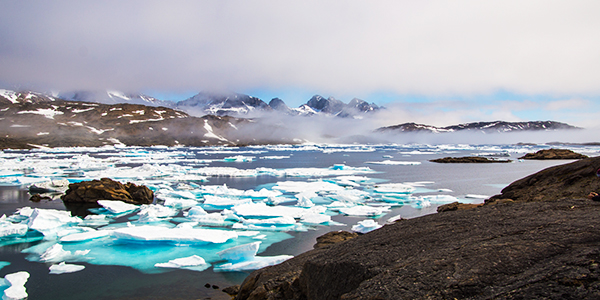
{"x": 437, "y": 62}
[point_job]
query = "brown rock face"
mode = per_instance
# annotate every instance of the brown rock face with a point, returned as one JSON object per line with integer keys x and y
{"x": 574, "y": 180}
{"x": 107, "y": 189}
{"x": 333, "y": 237}
{"x": 456, "y": 206}
{"x": 554, "y": 154}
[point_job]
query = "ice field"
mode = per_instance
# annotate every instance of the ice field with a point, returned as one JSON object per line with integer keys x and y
{"x": 230, "y": 210}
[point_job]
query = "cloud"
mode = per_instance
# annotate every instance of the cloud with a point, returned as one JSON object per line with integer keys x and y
{"x": 335, "y": 47}
{"x": 567, "y": 104}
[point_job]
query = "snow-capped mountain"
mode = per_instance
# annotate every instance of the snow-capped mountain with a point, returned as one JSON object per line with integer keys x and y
{"x": 113, "y": 97}
{"x": 28, "y": 119}
{"x": 8, "y": 97}
{"x": 487, "y": 127}
{"x": 220, "y": 104}
{"x": 331, "y": 106}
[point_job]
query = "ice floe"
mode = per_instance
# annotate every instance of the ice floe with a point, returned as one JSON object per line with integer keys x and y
{"x": 63, "y": 268}
{"x": 243, "y": 258}
{"x": 366, "y": 226}
{"x": 15, "y": 283}
{"x": 173, "y": 235}
{"x": 194, "y": 263}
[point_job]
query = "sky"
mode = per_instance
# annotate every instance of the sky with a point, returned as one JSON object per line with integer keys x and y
{"x": 432, "y": 62}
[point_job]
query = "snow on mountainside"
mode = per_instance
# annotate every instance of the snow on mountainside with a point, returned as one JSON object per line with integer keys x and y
{"x": 113, "y": 97}
{"x": 488, "y": 127}
{"x": 27, "y": 120}
{"x": 222, "y": 104}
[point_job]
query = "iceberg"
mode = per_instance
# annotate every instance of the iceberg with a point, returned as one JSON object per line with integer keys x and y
{"x": 117, "y": 207}
{"x": 262, "y": 210}
{"x": 56, "y": 253}
{"x": 63, "y": 268}
{"x": 16, "y": 286}
{"x": 147, "y": 233}
{"x": 9, "y": 230}
{"x": 364, "y": 210}
{"x": 243, "y": 258}
{"x": 366, "y": 226}
{"x": 223, "y": 202}
{"x": 315, "y": 219}
{"x": 241, "y": 252}
{"x": 194, "y": 263}
{"x": 44, "y": 220}
{"x": 85, "y": 236}
{"x": 300, "y": 186}
{"x": 394, "y": 188}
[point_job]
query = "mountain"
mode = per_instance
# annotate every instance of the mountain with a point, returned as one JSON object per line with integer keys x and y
{"x": 332, "y": 106}
{"x": 113, "y": 97}
{"x": 222, "y": 104}
{"x": 487, "y": 127}
{"x": 28, "y": 119}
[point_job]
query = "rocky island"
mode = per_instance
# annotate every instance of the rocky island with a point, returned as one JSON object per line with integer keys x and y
{"x": 538, "y": 239}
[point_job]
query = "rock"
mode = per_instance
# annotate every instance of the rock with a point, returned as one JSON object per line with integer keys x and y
{"x": 232, "y": 290}
{"x": 456, "y": 206}
{"x": 574, "y": 180}
{"x": 38, "y": 198}
{"x": 526, "y": 250}
{"x": 333, "y": 237}
{"x": 107, "y": 189}
{"x": 469, "y": 159}
{"x": 554, "y": 154}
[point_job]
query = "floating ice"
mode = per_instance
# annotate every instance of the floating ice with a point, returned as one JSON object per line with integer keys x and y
{"x": 63, "y": 268}
{"x": 4, "y": 264}
{"x": 179, "y": 203}
{"x": 364, "y": 210}
{"x": 50, "y": 186}
{"x": 257, "y": 210}
{"x": 117, "y": 207}
{"x": 9, "y": 230}
{"x": 243, "y": 257}
{"x": 315, "y": 219}
{"x": 222, "y": 202}
{"x": 239, "y": 158}
{"x": 394, "y": 163}
{"x": 394, "y": 188}
{"x": 279, "y": 221}
{"x": 16, "y": 286}
{"x": 46, "y": 219}
{"x": 56, "y": 253}
{"x": 394, "y": 219}
{"x": 155, "y": 212}
{"x": 194, "y": 262}
{"x": 300, "y": 186}
{"x": 474, "y": 196}
{"x": 366, "y": 226}
{"x": 85, "y": 236}
{"x": 148, "y": 233}
{"x": 304, "y": 199}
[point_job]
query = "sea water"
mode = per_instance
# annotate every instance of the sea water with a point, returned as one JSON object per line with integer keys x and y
{"x": 265, "y": 194}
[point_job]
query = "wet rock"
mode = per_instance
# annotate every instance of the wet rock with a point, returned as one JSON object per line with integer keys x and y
{"x": 554, "y": 154}
{"x": 574, "y": 180}
{"x": 334, "y": 237}
{"x": 107, "y": 189}
{"x": 456, "y": 206}
{"x": 469, "y": 160}
{"x": 232, "y": 290}
{"x": 38, "y": 198}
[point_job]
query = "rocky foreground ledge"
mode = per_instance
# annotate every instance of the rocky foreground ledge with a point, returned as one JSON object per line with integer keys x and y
{"x": 518, "y": 249}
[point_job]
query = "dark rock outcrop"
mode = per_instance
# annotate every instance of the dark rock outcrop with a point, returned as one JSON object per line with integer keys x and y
{"x": 107, "y": 189}
{"x": 554, "y": 154}
{"x": 456, "y": 206}
{"x": 574, "y": 180}
{"x": 334, "y": 237}
{"x": 527, "y": 250}
{"x": 469, "y": 159}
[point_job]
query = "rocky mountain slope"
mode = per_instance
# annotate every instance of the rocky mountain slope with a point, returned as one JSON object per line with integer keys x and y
{"x": 487, "y": 127}
{"x": 28, "y": 119}
{"x": 113, "y": 97}
{"x": 512, "y": 250}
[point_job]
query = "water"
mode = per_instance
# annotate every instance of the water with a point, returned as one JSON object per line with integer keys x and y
{"x": 98, "y": 281}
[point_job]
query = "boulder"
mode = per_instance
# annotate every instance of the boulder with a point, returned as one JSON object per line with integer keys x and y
{"x": 574, "y": 180}
{"x": 334, "y": 237}
{"x": 554, "y": 154}
{"x": 456, "y": 206}
{"x": 107, "y": 189}
{"x": 469, "y": 159}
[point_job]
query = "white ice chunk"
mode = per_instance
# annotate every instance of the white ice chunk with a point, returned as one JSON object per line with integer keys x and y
{"x": 241, "y": 252}
{"x": 56, "y": 253}
{"x": 195, "y": 211}
{"x": 315, "y": 219}
{"x": 153, "y": 212}
{"x": 178, "y": 203}
{"x": 300, "y": 186}
{"x": 394, "y": 163}
{"x": 256, "y": 263}
{"x": 394, "y": 188}
{"x": 263, "y": 210}
{"x": 304, "y": 199}
{"x": 16, "y": 289}
{"x": 8, "y": 229}
{"x": 239, "y": 158}
{"x": 474, "y": 196}
{"x": 117, "y": 207}
{"x": 194, "y": 262}
{"x": 366, "y": 226}
{"x": 263, "y": 193}
{"x": 174, "y": 235}
{"x": 364, "y": 210}
{"x": 224, "y": 201}
{"x": 85, "y": 236}
{"x": 45, "y": 219}
{"x": 285, "y": 220}
{"x": 63, "y": 268}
